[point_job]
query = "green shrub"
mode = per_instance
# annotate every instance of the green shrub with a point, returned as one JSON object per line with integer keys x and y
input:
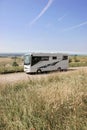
{"x": 15, "y": 63}
{"x": 70, "y": 60}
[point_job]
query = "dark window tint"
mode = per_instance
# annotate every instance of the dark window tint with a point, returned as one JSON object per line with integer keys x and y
{"x": 36, "y": 59}
{"x": 45, "y": 58}
{"x": 54, "y": 57}
{"x": 65, "y": 57}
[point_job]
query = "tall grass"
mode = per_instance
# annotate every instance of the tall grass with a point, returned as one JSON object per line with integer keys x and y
{"x": 7, "y": 64}
{"x": 10, "y": 69}
{"x": 78, "y": 64}
{"x": 77, "y": 61}
{"x": 55, "y": 102}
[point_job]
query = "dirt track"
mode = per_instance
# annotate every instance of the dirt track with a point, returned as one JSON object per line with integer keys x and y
{"x": 16, "y": 77}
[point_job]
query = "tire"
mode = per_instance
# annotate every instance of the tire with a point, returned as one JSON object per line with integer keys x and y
{"x": 59, "y": 69}
{"x": 39, "y": 71}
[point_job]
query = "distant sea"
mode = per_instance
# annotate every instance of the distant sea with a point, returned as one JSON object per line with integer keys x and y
{"x": 11, "y": 54}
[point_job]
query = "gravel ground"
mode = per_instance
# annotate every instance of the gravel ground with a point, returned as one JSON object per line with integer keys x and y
{"x": 16, "y": 77}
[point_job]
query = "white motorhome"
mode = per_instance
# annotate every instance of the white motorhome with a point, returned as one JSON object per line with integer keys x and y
{"x": 44, "y": 62}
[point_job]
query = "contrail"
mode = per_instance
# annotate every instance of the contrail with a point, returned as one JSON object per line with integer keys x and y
{"x": 76, "y": 26}
{"x": 43, "y": 11}
{"x": 62, "y": 17}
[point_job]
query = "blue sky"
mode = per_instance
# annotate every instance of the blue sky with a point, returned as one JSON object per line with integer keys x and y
{"x": 43, "y": 25}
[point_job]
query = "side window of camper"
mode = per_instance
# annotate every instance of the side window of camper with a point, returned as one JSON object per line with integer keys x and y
{"x": 54, "y": 57}
{"x": 44, "y": 58}
{"x": 65, "y": 57}
{"x": 36, "y": 59}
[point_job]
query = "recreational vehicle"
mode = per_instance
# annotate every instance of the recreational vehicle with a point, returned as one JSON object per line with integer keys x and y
{"x": 44, "y": 62}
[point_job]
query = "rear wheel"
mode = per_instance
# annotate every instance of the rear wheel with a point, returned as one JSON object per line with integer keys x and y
{"x": 39, "y": 71}
{"x": 59, "y": 69}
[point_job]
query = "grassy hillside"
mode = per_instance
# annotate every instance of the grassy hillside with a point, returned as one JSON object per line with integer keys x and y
{"x": 55, "y": 102}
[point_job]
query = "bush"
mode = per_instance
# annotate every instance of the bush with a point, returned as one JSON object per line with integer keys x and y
{"x": 76, "y": 59}
{"x": 15, "y": 63}
{"x": 70, "y": 60}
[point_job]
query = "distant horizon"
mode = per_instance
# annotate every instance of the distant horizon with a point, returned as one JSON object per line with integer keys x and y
{"x": 22, "y": 53}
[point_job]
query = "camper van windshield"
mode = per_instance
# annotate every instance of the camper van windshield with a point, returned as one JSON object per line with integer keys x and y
{"x": 26, "y": 59}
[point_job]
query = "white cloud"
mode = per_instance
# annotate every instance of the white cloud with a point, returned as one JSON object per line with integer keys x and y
{"x": 61, "y": 18}
{"x": 42, "y": 12}
{"x": 75, "y": 26}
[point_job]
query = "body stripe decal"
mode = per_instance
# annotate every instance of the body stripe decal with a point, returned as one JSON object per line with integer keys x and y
{"x": 52, "y": 64}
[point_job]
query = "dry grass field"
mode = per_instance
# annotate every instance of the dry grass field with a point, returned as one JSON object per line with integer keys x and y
{"x": 78, "y": 61}
{"x": 10, "y": 60}
{"x": 56, "y": 101}
{"x": 7, "y": 64}
{"x": 53, "y": 101}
